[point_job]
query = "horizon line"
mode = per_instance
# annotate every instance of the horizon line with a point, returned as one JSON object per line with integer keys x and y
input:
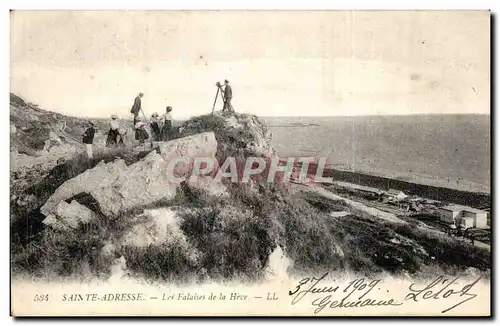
{"x": 311, "y": 116}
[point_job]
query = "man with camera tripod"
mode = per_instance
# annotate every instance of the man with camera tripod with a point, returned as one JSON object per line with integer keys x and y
{"x": 227, "y": 95}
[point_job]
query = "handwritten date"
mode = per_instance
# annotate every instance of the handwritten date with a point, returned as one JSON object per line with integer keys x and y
{"x": 354, "y": 295}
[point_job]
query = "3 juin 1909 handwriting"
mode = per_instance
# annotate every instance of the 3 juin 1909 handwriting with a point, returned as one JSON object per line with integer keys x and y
{"x": 354, "y": 295}
{"x": 363, "y": 292}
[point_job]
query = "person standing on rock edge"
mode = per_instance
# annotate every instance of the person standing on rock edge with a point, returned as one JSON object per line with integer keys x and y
{"x": 228, "y": 95}
{"x": 88, "y": 139}
{"x": 114, "y": 126}
{"x": 136, "y": 108}
{"x": 167, "y": 124}
{"x": 140, "y": 132}
{"x": 122, "y": 133}
{"x": 155, "y": 127}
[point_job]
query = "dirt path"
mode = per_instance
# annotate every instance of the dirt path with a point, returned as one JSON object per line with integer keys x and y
{"x": 381, "y": 214}
{"x": 358, "y": 206}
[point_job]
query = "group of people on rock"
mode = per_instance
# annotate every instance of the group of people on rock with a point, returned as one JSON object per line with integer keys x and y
{"x": 161, "y": 126}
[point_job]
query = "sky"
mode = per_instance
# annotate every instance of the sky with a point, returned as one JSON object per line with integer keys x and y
{"x": 281, "y": 63}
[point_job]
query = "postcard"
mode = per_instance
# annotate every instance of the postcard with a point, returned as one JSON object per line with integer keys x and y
{"x": 250, "y": 163}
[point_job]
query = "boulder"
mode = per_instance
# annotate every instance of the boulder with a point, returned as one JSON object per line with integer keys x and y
{"x": 118, "y": 187}
{"x": 199, "y": 145}
{"x": 139, "y": 184}
{"x": 52, "y": 221}
{"x": 86, "y": 182}
{"x": 70, "y": 215}
{"x": 190, "y": 147}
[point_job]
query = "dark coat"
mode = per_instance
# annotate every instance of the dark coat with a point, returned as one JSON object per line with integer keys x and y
{"x": 228, "y": 92}
{"x": 88, "y": 136}
{"x": 136, "y": 108}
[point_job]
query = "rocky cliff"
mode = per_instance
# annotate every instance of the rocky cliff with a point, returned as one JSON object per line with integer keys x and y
{"x": 82, "y": 216}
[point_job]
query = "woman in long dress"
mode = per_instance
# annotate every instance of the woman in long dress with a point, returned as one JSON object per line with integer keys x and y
{"x": 140, "y": 131}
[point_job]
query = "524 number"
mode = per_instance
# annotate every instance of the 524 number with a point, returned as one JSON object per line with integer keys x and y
{"x": 41, "y": 297}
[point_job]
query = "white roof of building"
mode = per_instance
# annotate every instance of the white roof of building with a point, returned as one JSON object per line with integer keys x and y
{"x": 394, "y": 192}
{"x": 459, "y": 208}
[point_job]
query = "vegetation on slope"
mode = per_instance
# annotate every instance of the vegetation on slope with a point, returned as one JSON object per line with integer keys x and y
{"x": 230, "y": 237}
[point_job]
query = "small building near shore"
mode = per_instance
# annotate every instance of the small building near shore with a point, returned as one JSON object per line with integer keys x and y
{"x": 467, "y": 222}
{"x": 396, "y": 195}
{"x": 464, "y": 215}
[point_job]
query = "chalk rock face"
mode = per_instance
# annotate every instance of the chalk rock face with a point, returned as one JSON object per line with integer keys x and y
{"x": 261, "y": 137}
{"x": 118, "y": 187}
{"x": 232, "y": 122}
{"x": 52, "y": 221}
{"x": 199, "y": 145}
{"x": 278, "y": 264}
{"x": 139, "y": 184}
{"x": 156, "y": 227}
{"x": 160, "y": 227}
{"x": 250, "y": 130}
{"x": 69, "y": 215}
{"x": 101, "y": 175}
{"x": 210, "y": 185}
{"x": 190, "y": 147}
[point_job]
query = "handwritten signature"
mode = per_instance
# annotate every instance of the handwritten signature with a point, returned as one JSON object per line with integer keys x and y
{"x": 362, "y": 292}
{"x": 436, "y": 290}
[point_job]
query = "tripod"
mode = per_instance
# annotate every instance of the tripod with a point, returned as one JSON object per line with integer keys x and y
{"x": 219, "y": 89}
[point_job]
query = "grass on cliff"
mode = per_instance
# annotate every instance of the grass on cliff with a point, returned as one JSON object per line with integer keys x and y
{"x": 26, "y": 227}
{"x": 230, "y": 237}
{"x": 234, "y": 236}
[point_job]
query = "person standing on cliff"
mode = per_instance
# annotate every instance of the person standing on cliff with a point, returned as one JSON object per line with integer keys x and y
{"x": 228, "y": 95}
{"x": 166, "y": 131}
{"x": 114, "y": 126}
{"x": 88, "y": 139}
{"x": 155, "y": 127}
{"x": 136, "y": 108}
{"x": 140, "y": 131}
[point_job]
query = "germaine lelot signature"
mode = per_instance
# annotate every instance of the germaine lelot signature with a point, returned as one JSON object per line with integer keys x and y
{"x": 363, "y": 292}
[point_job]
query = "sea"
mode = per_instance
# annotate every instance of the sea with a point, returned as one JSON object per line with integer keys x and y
{"x": 450, "y": 151}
